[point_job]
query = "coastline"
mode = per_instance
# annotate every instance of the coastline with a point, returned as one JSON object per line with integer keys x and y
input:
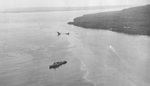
{"x": 132, "y": 21}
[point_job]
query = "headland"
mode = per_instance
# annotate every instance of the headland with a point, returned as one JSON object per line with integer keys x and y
{"x": 132, "y": 21}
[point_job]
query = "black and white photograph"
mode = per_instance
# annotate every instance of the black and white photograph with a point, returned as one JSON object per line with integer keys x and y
{"x": 74, "y": 42}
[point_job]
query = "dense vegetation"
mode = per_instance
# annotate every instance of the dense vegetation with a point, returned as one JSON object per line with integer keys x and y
{"x": 134, "y": 21}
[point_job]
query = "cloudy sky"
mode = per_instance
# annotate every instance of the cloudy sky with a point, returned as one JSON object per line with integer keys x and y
{"x": 66, "y": 3}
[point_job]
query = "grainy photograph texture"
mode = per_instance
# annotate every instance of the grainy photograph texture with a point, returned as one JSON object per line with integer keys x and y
{"x": 74, "y": 42}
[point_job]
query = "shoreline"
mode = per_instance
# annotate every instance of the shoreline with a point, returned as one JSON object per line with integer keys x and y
{"x": 131, "y": 21}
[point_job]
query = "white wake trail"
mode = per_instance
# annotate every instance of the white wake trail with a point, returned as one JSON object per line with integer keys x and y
{"x": 117, "y": 54}
{"x": 114, "y": 50}
{"x": 130, "y": 79}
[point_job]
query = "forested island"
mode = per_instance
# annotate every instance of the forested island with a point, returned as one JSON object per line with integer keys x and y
{"x": 133, "y": 21}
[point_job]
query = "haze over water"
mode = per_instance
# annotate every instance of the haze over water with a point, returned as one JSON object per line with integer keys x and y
{"x": 29, "y": 44}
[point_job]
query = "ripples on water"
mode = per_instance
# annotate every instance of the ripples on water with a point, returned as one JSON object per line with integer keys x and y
{"x": 29, "y": 44}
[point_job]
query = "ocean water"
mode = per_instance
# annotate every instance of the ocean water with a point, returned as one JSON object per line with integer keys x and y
{"x": 29, "y": 44}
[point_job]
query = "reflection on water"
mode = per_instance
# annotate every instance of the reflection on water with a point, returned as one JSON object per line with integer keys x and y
{"x": 29, "y": 44}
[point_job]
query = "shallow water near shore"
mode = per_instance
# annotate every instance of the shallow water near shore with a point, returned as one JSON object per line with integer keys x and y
{"x": 29, "y": 44}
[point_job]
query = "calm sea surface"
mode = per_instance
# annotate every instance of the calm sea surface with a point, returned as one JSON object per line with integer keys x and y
{"x": 29, "y": 44}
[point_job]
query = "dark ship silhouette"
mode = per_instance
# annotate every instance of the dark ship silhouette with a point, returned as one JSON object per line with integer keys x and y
{"x": 57, "y": 64}
{"x": 58, "y": 33}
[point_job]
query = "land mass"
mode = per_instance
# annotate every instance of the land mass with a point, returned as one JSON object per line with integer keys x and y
{"x": 133, "y": 21}
{"x": 50, "y": 9}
